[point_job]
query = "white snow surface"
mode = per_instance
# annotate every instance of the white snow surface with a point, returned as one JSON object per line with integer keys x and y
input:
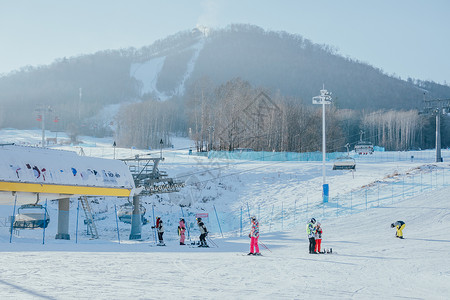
{"x": 148, "y": 72}
{"x": 367, "y": 262}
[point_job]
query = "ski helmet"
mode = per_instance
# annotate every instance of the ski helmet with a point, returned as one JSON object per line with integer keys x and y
{"x": 392, "y": 225}
{"x": 318, "y": 224}
{"x": 199, "y": 219}
{"x": 253, "y": 218}
{"x": 313, "y": 221}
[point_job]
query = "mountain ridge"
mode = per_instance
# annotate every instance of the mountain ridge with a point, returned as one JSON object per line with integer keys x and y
{"x": 276, "y": 61}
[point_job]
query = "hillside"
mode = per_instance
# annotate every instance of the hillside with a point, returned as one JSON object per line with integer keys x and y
{"x": 276, "y": 61}
{"x": 367, "y": 262}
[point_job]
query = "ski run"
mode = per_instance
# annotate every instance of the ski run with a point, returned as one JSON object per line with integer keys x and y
{"x": 367, "y": 261}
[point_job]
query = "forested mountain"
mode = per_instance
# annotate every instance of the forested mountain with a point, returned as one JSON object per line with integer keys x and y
{"x": 193, "y": 69}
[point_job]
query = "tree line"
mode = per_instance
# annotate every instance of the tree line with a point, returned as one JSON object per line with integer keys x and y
{"x": 236, "y": 115}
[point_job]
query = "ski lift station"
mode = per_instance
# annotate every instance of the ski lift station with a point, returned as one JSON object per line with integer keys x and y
{"x": 29, "y": 175}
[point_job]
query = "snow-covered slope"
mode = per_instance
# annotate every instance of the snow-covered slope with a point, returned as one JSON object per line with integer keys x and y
{"x": 148, "y": 72}
{"x": 368, "y": 262}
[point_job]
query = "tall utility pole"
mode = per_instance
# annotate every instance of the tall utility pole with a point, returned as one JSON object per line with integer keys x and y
{"x": 323, "y": 98}
{"x": 42, "y": 111}
{"x": 79, "y": 107}
{"x": 437, "y": 107}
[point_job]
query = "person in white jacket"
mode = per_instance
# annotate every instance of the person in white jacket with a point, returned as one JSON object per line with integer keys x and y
{"x": 160, "y": 229}
{"x": 310, "y": 231}
{"x": 203, "y": 232}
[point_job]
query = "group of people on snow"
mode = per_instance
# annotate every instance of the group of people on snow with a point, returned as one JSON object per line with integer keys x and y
{"x": 314, "y": 232}
{"x": 181, "y": 231}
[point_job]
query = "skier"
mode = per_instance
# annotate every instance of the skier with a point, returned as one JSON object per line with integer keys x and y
{"x": 400, "y": 225}
{"x": 181, "y": 230}
{"x": 159, "y": 226}
{"x": 318, "y": 237}
{"x": 203, "y": 232}
{"x": 310, "y": 232}
{"x": 254, "y": 235}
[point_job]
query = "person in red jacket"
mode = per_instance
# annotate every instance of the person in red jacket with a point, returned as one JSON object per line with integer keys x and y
{"x": 318, "y": 237}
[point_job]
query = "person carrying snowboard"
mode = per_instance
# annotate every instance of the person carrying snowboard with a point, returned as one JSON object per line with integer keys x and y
{"x": 318, "y": 237}
{"x": 203, "y": 233}
{"x": 310, "y": 232}
{"x": 160, "y": 228}
{"x": 181, "y": 231}
{"x": 400, "y": 225}
{"x": 254, "y": 235}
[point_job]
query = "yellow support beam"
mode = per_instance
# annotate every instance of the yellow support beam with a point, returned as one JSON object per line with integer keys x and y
{"x": 63, "y": 189}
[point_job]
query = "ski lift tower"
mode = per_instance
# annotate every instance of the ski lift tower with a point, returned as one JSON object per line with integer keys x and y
{"x": 323, "y": 99}
{"x": 437, "y": 107}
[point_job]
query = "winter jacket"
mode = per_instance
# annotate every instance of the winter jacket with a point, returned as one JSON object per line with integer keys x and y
{"x": 318, "y": 233}
{"x": 181, "y": 228}
{"x": 254, "y": 232}
{"x": 399, "y": 223}
{"x": 202, "y": 227}
{"x": 310, "y": 230}
{"x": 159, "y": 225}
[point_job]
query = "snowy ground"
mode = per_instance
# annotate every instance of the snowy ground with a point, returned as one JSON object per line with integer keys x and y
{"x": 368, "y": 261}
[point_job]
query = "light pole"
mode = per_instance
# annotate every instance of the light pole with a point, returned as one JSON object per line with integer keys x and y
{"x": 436, "y": 107}
{"x": 323, "y": 98}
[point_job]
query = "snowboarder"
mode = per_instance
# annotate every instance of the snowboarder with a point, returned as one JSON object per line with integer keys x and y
{"x": 310, "y": 233}
{"x": 160, "y": 228}
{"x": 203, "y": 232}
{"x": 318, "y": 237}
{"x": 181, "y": 231}
{"x": 254, "y": 235}
{"x": 400, "y": 225}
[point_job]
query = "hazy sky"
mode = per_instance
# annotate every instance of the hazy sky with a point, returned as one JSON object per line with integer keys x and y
{"x": 408, "y": 38}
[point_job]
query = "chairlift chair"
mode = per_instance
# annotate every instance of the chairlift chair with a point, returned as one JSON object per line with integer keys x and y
{"x": 125, "y": 212}
{"x": 344, "y": 163}
{"x": 31, "y": 216}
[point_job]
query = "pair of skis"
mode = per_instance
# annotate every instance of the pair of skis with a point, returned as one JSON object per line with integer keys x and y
{"x": 326, "y": 251}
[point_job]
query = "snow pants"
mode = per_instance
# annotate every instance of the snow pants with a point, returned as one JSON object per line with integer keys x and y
{"x": 312, "y": 244}
{"x": 318, "y": 243}
{"x": 160, "y": 237}
{"x": 400, "y": 230}
{"x": 203, "y": 239}
{"x": 182, "y": 237}
{"x": 254, "y": 245}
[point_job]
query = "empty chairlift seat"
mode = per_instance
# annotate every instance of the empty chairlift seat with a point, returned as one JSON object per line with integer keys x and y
{"x": 31, "y": 216}
{"x": 344, "y": 163}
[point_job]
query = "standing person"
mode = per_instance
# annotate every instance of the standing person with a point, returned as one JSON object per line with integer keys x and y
{"x": 181, "y": 231}
{"x": 160, "y": 228}
{"x": 318, "y": 237}
{"x": 203, "y": 232}
{"x": 254, "y": 235}
{"x": 310, "y": 233}
{"x": 400, "y": 225}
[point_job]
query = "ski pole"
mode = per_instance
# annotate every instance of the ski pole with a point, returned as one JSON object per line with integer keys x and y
{"x": 265, "y": 246}
{"x": 212, "y": 242}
